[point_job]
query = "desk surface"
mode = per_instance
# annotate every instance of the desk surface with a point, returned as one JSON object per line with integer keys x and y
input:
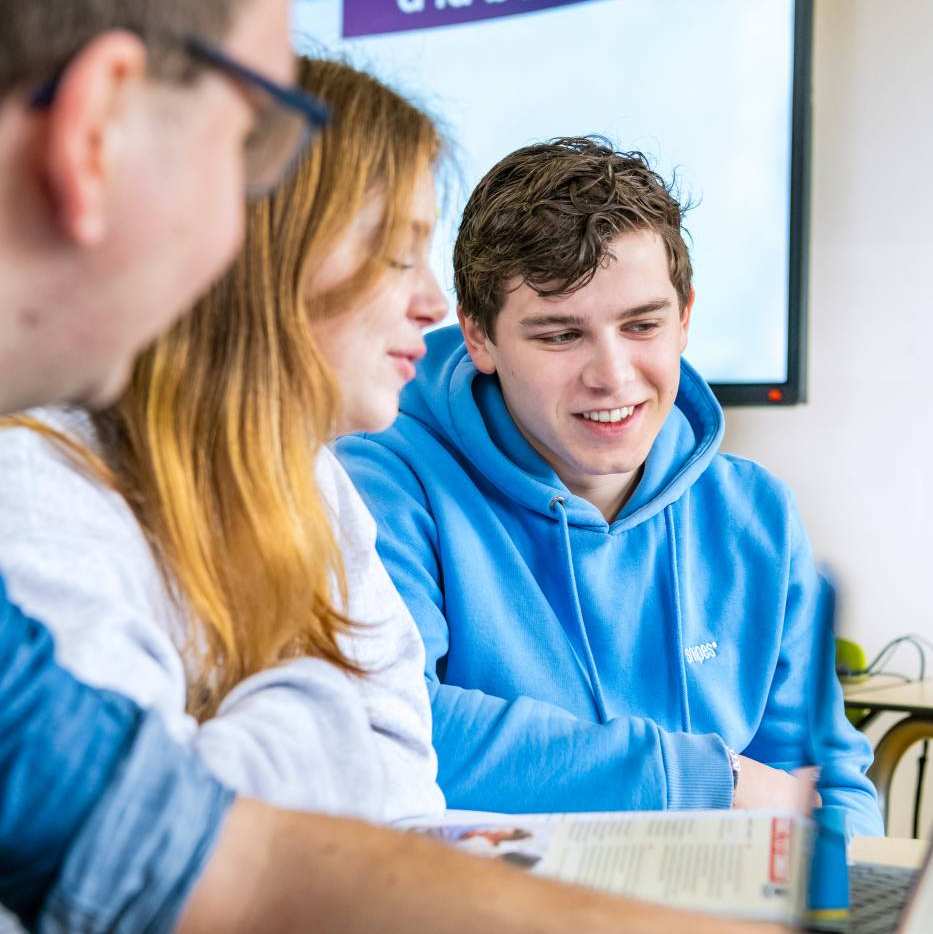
{"x": 889, "y": 851}
{"x": 882, "y": 692}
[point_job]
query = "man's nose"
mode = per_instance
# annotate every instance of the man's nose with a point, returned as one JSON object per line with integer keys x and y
{"x": 608, "y": 368}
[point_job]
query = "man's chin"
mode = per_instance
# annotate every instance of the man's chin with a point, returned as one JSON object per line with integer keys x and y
{"x": 618, "y": 464}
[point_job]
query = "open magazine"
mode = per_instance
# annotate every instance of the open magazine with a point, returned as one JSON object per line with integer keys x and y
{"x": 744, "y": 864}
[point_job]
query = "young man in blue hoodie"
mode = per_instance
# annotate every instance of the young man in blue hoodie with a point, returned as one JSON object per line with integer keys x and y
{"x": 616, "y": 615}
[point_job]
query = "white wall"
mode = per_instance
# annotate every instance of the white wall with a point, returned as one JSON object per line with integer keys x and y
{"x": 858, "y": 455}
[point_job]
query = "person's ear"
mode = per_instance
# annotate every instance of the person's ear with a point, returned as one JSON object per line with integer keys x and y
{"x": 84, "y": 128}
{"x": 685, "y": 315}
{"x": 477, "y": 343}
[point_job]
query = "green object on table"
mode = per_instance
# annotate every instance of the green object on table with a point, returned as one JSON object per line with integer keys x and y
{"x": 851, "y": 663}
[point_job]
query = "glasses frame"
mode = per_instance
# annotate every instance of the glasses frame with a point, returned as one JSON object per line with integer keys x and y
{"x": 206, "y": 53}
{"x": 290, "y": 97}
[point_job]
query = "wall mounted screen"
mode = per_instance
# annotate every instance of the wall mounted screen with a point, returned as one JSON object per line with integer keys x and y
{"x": 714, "y": 92}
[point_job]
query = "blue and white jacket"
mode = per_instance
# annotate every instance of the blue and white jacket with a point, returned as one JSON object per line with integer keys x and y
{"x": 105, "y": 825}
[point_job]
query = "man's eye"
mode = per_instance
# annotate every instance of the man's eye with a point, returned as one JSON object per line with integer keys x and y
{"x": 642, "y": 327}
{"x": 564, "y": 337}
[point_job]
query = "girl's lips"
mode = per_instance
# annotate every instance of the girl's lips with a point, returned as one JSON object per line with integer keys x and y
{"x": 405, "y": 364}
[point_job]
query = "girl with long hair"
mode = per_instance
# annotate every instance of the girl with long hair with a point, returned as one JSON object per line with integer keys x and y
{"x": 198, "y": 547}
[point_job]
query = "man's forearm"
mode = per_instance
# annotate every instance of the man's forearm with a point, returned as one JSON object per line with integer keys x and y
{"x": 280, "y": 871}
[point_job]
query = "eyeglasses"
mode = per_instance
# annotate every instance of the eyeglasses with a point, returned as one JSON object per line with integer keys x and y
{"x": 286, "y": 117}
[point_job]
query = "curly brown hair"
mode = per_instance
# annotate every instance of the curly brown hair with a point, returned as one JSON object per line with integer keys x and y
{"x": 546, "y": 215}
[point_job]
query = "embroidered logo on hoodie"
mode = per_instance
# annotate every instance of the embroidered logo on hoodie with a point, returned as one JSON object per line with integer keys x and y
{"x": 697, "y": 654}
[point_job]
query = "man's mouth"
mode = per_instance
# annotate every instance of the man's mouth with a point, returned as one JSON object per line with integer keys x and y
{"x": 611, "y": 416}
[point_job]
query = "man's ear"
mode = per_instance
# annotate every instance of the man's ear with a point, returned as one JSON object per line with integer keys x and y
{"x": 83, "y": 132}
{"x": 685, "y": 315}
{"x": 477, "y": 343}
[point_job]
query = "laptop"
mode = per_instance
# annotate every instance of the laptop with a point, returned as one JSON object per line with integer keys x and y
{"x": 882, "y": 899}
{"x": 891, "y": 899}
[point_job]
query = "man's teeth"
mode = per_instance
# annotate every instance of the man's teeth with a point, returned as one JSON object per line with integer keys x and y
{"x": 609, "y": 415}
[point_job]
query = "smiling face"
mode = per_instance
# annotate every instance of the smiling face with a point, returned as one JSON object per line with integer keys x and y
{"x": 372, "y": 347}
{"x": 590, "y": 377}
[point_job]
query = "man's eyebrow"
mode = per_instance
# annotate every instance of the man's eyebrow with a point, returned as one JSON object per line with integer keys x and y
{"x": 555, "y": 319}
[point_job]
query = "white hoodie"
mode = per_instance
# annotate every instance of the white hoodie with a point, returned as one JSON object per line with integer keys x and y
{"x": 302, "y": 735}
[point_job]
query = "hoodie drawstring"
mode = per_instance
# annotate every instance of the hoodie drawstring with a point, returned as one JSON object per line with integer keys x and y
{"x": 678, "y": 613}
{"x": 596, "y": 687}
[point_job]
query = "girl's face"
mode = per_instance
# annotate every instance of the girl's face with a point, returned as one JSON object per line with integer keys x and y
{"x": 373, "y": 346}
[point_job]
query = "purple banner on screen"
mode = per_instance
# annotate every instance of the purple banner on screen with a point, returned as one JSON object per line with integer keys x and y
{"x": 371, "y": 17}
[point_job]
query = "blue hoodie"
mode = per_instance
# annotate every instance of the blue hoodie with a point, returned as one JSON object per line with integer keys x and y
{"x": 576, "y": 664}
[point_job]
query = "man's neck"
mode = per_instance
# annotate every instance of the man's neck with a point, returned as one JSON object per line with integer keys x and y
{"x": 39, "y": 276}
{"x": 31, "y": 303}
{"x": 17, "y": 272}
{"x": 17, "y": 372}
{"x": 608, "y": 494}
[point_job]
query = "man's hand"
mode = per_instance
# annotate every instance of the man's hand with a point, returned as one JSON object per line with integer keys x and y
{"x": 761, "y": 786}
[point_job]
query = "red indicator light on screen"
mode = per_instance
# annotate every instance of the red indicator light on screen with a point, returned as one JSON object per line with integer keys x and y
{"x": 775, "y": 395}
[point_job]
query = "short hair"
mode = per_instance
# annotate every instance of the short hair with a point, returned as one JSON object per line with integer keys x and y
{"x": 39, "y": 37}
{"x": 546, "y": 215}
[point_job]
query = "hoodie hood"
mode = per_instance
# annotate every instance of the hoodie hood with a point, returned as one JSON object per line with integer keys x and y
{"x": 466, "y": 408}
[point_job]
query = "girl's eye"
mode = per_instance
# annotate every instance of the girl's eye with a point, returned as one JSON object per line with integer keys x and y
{"x": 400, "y": 264}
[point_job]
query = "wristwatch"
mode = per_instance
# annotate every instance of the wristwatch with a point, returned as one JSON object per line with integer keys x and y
{"x": 736, "y": 764}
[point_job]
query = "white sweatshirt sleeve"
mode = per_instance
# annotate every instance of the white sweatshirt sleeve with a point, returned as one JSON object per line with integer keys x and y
{"x": 387, "y": 645}
{"x": 75, "y": 558}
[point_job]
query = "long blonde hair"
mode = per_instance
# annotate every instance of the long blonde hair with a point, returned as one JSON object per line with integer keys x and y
{"x": 214, "y": 444}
